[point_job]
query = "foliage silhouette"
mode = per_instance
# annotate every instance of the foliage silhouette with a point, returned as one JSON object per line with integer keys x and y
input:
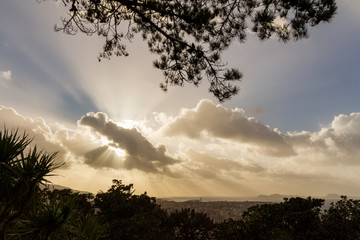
{"x": 342, "y": 220}
{"x": 130, "y": 216}
{"x": 295, "y": 218}
{"x": 21, "y": 173}
{"x": 190, "y": 225}
{"x": 230, "y": 230}
{"x": 190, "y": 36}
{"x": 57, "y": 215}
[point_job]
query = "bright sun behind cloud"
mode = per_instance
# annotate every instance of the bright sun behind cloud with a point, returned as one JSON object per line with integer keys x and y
{"x": 128, "y": 124}
{"x": 112, "y": 147}
{"x": 119, "y": 152}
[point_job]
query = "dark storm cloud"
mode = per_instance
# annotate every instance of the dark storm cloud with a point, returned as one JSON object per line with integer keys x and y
{"x": 102, "y": 157}
{"x": 140, "y": 153}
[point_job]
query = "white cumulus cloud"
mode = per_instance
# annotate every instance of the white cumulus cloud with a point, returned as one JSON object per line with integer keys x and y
{"x": 338, "y": 143}
{"x": 231, "y": 124}
{"x": 221, "y": 150}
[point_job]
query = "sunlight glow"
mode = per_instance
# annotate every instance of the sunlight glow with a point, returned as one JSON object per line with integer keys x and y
{"x": 118, "y": 151}
{"x": 128, "y": 124}
{"x": 104, "y": 141}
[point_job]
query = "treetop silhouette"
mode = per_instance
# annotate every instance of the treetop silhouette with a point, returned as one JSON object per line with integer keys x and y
{"x": 190, "y": 36}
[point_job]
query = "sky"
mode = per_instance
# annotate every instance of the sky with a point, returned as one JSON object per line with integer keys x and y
{"x": 293, "y": 129}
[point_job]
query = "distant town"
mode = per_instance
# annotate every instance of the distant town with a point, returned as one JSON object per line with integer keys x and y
{"x": 218, "y": 211}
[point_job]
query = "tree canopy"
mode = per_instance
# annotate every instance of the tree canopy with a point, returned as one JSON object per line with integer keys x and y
{"x": 190, "y": 36}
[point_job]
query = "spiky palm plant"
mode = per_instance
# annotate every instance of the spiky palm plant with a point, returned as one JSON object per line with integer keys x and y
{"x": 59, "y": 218}
{"x": 89, "y": 228}
{"x": 22, "y": 169}
{"x": 48, "y": 220}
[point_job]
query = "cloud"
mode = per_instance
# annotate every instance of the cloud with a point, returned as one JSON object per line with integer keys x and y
{"x": 231, "y": 124}
{"x": 210, "y": 167}
{"x": 37, "y": 129}
{"x": 102, "y": 157}
{"x": 140, "y": 153}
{"x": 338, "y": 143}
{"x": 72, "y": 145}
{"x": 6, "y": 79}
{"x": 6, "y": 75}
{"x": 233, "y": 158}
{"x": 82, "y": 146}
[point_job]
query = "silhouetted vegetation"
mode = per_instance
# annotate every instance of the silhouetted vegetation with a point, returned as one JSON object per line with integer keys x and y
{"x": 190, "y": 36}
{"x": 20, "y": 174}
{"x": 29, "y": 212}
{"x": 130, "y": 216}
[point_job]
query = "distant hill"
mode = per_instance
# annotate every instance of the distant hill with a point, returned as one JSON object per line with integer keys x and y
{"x": 59, "y": 187}
{"x": 274, "y": 197}
{"x": 279, "y": 197}
{"x": 333, "y": 196}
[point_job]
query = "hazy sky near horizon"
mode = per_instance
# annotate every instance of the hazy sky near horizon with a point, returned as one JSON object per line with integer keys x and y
{"x": 294, "y": 128}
